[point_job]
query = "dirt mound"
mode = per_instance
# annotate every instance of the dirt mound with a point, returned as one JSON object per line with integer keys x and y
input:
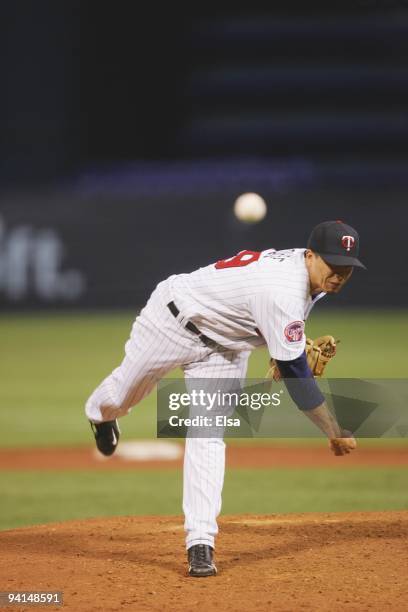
{"x": 287, "y": 563}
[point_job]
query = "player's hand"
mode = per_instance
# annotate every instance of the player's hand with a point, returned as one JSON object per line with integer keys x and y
{"x": 343, "y": 446}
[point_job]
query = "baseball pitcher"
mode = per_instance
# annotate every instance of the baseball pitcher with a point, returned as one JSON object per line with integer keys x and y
{"x": 207, "y": 322}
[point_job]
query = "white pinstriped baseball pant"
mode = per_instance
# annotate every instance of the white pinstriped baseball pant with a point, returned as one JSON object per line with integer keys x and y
{"x": 159, "y": 343}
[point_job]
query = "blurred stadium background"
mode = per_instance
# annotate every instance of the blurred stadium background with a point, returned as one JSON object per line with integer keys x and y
{"x": 126, "y": 135}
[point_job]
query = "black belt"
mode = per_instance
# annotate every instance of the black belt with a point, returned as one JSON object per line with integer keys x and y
{"x": 191, "y": 327}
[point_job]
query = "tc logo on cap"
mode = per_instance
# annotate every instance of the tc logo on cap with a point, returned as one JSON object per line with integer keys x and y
{"x": 348, "y": 242}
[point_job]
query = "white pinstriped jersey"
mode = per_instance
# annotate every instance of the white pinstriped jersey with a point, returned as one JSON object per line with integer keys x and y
{"x": 249, "y": 300}
{"x": 241, "y": 303}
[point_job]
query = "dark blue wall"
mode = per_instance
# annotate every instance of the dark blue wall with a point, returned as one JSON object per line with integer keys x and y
{"x": 107, "y": 240}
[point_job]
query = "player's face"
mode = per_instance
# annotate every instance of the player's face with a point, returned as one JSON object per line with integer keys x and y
{"x": 326, "y": 277}
{"x": 335, "y": 277}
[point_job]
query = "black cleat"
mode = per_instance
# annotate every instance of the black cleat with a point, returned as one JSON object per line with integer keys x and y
{"x": 107, "y": 436}
{"x": 200, "y": 561}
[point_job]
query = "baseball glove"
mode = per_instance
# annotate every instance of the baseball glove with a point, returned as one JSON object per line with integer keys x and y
{"x": 318, "y": 354}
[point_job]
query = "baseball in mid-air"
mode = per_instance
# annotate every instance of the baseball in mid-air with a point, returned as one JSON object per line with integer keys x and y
{"x": 250, "y": 208}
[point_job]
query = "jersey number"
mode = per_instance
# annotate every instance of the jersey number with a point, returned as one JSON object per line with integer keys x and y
{"x": 242, "y": 259}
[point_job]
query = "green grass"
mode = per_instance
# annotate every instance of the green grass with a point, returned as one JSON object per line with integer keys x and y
{"x": 49, "y": 364}
{"x": 40, "y": 497}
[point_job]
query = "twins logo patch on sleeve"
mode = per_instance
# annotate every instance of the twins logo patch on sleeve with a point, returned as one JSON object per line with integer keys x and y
{"x": 294, "y": 331}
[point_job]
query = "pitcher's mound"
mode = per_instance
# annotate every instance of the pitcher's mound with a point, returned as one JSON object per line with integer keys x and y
{"x": 287, "y": 563}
